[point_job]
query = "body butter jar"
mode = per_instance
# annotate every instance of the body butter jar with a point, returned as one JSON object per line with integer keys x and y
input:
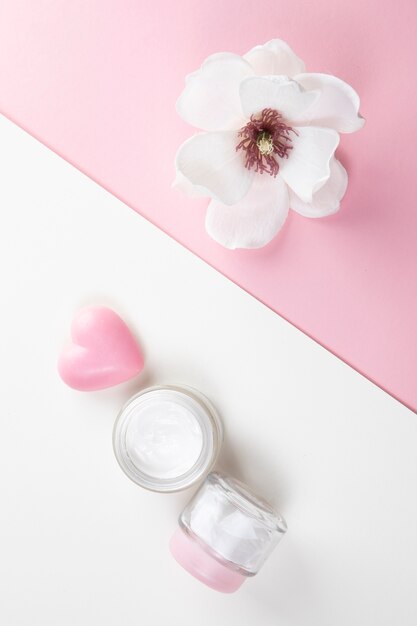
{"x": 226, "y": 533}
{"x": 167, "y": 438}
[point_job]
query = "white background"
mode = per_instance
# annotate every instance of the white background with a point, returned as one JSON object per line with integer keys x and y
{"x": 83, "y": 546}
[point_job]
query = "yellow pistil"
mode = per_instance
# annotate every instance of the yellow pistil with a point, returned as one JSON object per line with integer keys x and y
{"x": 264, "y": 143}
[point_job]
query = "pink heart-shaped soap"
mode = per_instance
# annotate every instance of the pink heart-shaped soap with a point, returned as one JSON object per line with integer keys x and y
{"x": 103, "y": 351}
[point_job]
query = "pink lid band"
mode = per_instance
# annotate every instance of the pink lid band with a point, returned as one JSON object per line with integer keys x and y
{"x": 193, "y": 558}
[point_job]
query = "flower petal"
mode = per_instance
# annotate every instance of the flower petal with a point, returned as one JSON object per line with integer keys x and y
{"x": 255, "y": 220}
{"x": 187, "y": 187}
{"x": 336, "y": 107}
{"x": 210, "y": 161}
{"x": 275, "y": 92}
{"x": 308, "y": 165}
{"x": 326, "y": 200}
{"x": 210, "y": 99}
{"x": 274, "y": 57}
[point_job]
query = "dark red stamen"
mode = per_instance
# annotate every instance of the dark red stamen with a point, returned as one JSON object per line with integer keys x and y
{"x": 269, "y": 123}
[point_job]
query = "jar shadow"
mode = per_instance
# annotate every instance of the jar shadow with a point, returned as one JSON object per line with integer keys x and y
{"x": 252, "y": 469}
{"x": 286, "y": 577}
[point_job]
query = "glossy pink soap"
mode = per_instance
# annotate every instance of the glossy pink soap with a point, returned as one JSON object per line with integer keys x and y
{"x": 102, "y": 353}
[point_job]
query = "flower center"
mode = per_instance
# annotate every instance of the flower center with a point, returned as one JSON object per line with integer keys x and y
{"x": 265, "y": 143}
{"x": 265, "y": 137}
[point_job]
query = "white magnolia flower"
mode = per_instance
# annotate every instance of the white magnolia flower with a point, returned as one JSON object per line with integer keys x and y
{"x": 271, "y": 131}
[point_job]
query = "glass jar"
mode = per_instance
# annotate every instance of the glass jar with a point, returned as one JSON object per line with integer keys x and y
{"x": 167, "y": 438}
{"x": 226, "y": 533}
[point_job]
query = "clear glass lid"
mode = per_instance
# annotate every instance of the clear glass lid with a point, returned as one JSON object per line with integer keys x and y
{"x": 235, "y": 525}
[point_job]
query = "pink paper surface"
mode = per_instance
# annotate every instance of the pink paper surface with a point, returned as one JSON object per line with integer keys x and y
{"x": 96, "y": 80}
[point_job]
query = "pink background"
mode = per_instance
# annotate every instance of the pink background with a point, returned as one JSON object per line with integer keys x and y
{"x": 96, "y": 80}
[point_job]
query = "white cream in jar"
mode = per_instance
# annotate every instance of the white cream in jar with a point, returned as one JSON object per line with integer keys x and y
{"x": 167, "y": 438}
